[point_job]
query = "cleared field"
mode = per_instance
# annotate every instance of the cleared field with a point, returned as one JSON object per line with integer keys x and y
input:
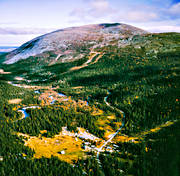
{"x": 15, "y": 101}
{"x": 66, "y": 148}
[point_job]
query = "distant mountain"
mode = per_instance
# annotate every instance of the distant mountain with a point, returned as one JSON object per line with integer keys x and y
{"x": 4, "y": 49}
{"x": 72, "y": 43}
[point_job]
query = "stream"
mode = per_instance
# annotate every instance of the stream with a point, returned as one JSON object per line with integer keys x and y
{"x": 23, "y": 110}
{"x": 25, "y": 115}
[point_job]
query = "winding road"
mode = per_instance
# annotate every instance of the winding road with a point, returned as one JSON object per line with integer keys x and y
{"x": 113, "y": 135}
{"x": 93, "y": 54}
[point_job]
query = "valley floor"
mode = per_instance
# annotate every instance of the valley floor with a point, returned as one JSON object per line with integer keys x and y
{"x": 71, "y": 146}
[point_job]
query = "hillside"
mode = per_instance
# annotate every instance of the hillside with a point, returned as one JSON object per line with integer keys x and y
{"x": 72, "y": 43}
{"x": 113, "y": 111}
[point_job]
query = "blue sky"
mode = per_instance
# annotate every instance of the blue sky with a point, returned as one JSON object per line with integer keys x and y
{"x": 22, "y": 20}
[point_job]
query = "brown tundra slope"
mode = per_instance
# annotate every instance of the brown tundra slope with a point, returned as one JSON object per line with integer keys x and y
{"x": 72, "y": 43}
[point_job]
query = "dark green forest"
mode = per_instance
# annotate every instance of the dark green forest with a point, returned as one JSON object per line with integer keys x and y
{"x": 143, "y": 81}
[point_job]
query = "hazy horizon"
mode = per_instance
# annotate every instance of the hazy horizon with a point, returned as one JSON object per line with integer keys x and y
{"x": 23, "y": 20}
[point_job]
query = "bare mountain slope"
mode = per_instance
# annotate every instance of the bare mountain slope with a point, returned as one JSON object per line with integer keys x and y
{"x": 73, "y": 42}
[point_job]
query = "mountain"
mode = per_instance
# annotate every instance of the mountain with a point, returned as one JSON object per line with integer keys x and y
{"x": 113, "y": 112}
{"x": 72, "y": 43}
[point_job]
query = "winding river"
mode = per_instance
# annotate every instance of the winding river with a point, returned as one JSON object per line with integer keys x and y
{"x": 25, "y": 114}
{"x": 23, "y": 110}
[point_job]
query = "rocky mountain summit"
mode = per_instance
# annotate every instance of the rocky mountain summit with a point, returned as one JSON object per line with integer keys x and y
{"x": 72, "y": 43}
